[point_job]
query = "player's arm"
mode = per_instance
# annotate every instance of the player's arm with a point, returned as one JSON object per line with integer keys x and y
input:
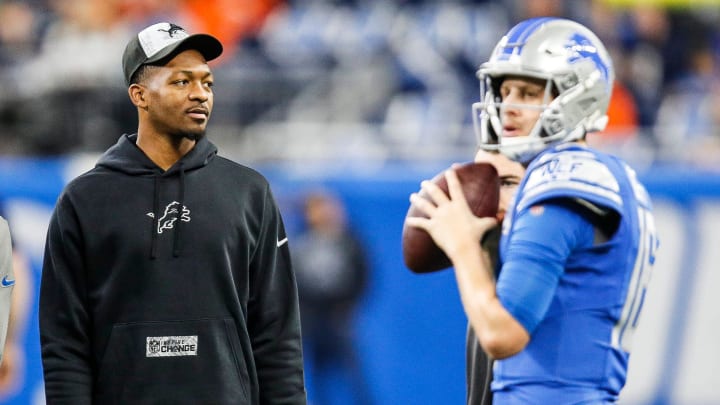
{"x": 63, "y": 316}
{"x": 498, "y": 332}
{"x": 273, "y": 314}
{"x": 543, "y": 238}
{"x": 504, "y": 316}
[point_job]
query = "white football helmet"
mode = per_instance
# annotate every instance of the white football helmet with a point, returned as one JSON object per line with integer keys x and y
{"x": 577, "y": 69}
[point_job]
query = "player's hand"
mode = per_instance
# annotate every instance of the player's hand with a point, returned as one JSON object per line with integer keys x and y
{"x": 450, "y": 221}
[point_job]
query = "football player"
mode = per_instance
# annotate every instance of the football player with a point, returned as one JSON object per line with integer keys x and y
{"x": 578, "y": 240}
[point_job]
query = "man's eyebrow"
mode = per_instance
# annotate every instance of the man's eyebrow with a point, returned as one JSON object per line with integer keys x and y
{"x": 192, "y": 72}
{"x": 510, "y": 177}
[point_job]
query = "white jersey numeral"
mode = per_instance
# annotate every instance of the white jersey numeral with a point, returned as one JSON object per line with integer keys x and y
{"x": 624, "y": 330}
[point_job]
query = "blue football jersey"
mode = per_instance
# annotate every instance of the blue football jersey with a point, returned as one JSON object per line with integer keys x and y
{"x": 579, "y": 350}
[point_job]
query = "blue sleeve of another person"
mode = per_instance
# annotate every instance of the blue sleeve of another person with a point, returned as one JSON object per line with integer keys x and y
{"x": 542, "y": 239}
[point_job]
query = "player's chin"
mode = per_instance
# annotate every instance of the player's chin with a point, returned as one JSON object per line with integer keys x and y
{"x": 192, "y": 134}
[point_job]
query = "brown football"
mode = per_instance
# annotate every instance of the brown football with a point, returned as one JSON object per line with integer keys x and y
{"x": 481, "y": 186}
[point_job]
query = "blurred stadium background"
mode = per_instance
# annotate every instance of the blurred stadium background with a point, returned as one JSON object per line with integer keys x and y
{"x": 368, "y": 98}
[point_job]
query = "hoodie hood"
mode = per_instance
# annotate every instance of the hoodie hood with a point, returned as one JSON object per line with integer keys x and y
{"x": 126, "y": 157}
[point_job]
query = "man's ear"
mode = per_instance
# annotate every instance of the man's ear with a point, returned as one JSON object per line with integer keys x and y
{"x": 137, "y": 95}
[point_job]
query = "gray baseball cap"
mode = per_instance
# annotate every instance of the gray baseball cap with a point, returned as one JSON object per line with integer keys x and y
{"x": 159, "y": 41}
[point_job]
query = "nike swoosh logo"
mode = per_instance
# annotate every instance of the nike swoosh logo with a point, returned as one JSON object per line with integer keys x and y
{"x": 7, "y": 283}
{"x": 281, "y": 242}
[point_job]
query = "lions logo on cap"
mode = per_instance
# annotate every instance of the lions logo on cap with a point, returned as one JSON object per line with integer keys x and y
{"x": 172, "y": 30}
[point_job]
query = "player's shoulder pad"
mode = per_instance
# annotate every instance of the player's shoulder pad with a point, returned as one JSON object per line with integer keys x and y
{"x": 576, "y": 173}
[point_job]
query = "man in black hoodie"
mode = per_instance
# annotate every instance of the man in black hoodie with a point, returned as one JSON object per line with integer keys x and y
{"x": 167, "y": 275}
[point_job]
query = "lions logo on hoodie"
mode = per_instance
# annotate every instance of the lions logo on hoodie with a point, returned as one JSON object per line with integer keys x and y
{"x": 167, "y": 220}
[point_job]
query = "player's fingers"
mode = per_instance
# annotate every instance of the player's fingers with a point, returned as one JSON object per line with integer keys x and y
{"x": 422, "y": 204}
{"x": 487, "y": 223}
{"x": 434, "y": 191}
{"x": 454, "y": 187}
{"x": 418, "y": 222}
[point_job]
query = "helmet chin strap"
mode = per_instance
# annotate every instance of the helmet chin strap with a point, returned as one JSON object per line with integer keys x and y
{"x": 522, "y": 149}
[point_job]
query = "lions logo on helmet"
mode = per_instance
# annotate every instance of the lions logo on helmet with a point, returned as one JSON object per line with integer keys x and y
{"x": 577, "y": 70}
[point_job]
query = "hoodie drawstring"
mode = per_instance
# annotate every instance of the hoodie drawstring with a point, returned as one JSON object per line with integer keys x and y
{"x": 178, "y": 216}
{"x": 153, "y": 231}
{"x": 177, "y": 223}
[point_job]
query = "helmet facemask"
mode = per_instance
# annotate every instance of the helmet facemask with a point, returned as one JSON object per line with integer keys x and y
{"x": 487, "y": 119}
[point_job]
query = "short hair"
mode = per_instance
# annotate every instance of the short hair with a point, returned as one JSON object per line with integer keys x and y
{"x": 141, "y": 74}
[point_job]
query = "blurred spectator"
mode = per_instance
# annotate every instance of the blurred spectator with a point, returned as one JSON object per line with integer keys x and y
{"x": 19, "y": 28}
{"x": 622, "y": 120}
{"x": 62, "y": 102}
{"x": 688, "y": 125}
{"x": 657, "y": 42}
{"x": 645, "y": 32}
{"x": 142, "y": 13}
{"x": 78, "y": 49}
{"x": 230, "y": 21}
{"x": 395, "y": 78}
{"x": 332, "y": 271}
{"x": 623, "y": 114}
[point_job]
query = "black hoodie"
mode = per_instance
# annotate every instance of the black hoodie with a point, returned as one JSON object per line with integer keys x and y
{"x": 169, "y": 287}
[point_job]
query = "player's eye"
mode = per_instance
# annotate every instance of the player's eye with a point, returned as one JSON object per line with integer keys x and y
{"x": 531, "y": 93}
{"x": 509, "y": 182}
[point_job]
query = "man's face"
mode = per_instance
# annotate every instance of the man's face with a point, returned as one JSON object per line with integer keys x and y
{"x": 519, "y": 120}
{"x": 180, "y": 96}
{"x": 510, "y": 172}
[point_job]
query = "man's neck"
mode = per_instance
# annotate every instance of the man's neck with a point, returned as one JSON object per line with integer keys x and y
{"x": 164, "y": 151}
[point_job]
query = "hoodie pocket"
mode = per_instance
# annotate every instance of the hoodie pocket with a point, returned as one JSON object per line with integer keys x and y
{"x": 174, "y": 362}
